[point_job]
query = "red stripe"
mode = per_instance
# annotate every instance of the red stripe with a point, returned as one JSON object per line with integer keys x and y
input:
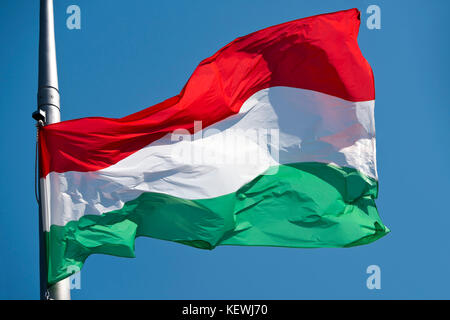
{"x": 318, "y": 53}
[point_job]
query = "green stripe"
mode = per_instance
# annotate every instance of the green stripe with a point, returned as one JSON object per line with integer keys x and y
{"x": 305, "y": 205}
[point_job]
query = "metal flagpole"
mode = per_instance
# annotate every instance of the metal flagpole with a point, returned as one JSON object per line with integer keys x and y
{"x": 48, "y": 112}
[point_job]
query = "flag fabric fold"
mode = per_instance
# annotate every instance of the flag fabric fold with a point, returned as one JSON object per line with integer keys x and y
{"x": 270, "y": 143}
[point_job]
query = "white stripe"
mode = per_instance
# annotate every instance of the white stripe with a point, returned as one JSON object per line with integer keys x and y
{"x": 278, "y": 125}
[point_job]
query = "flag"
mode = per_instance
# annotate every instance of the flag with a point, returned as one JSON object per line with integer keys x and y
{"x": 270, "y": 143}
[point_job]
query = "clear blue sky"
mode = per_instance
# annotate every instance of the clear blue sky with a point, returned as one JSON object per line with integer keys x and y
{"x": 132, "y": 54}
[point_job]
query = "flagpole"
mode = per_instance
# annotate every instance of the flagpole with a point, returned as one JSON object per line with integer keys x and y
{"x": 48, "y": 112}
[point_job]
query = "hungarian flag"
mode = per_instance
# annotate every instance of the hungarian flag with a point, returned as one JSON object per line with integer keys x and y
{"x": 270, "y": 143}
